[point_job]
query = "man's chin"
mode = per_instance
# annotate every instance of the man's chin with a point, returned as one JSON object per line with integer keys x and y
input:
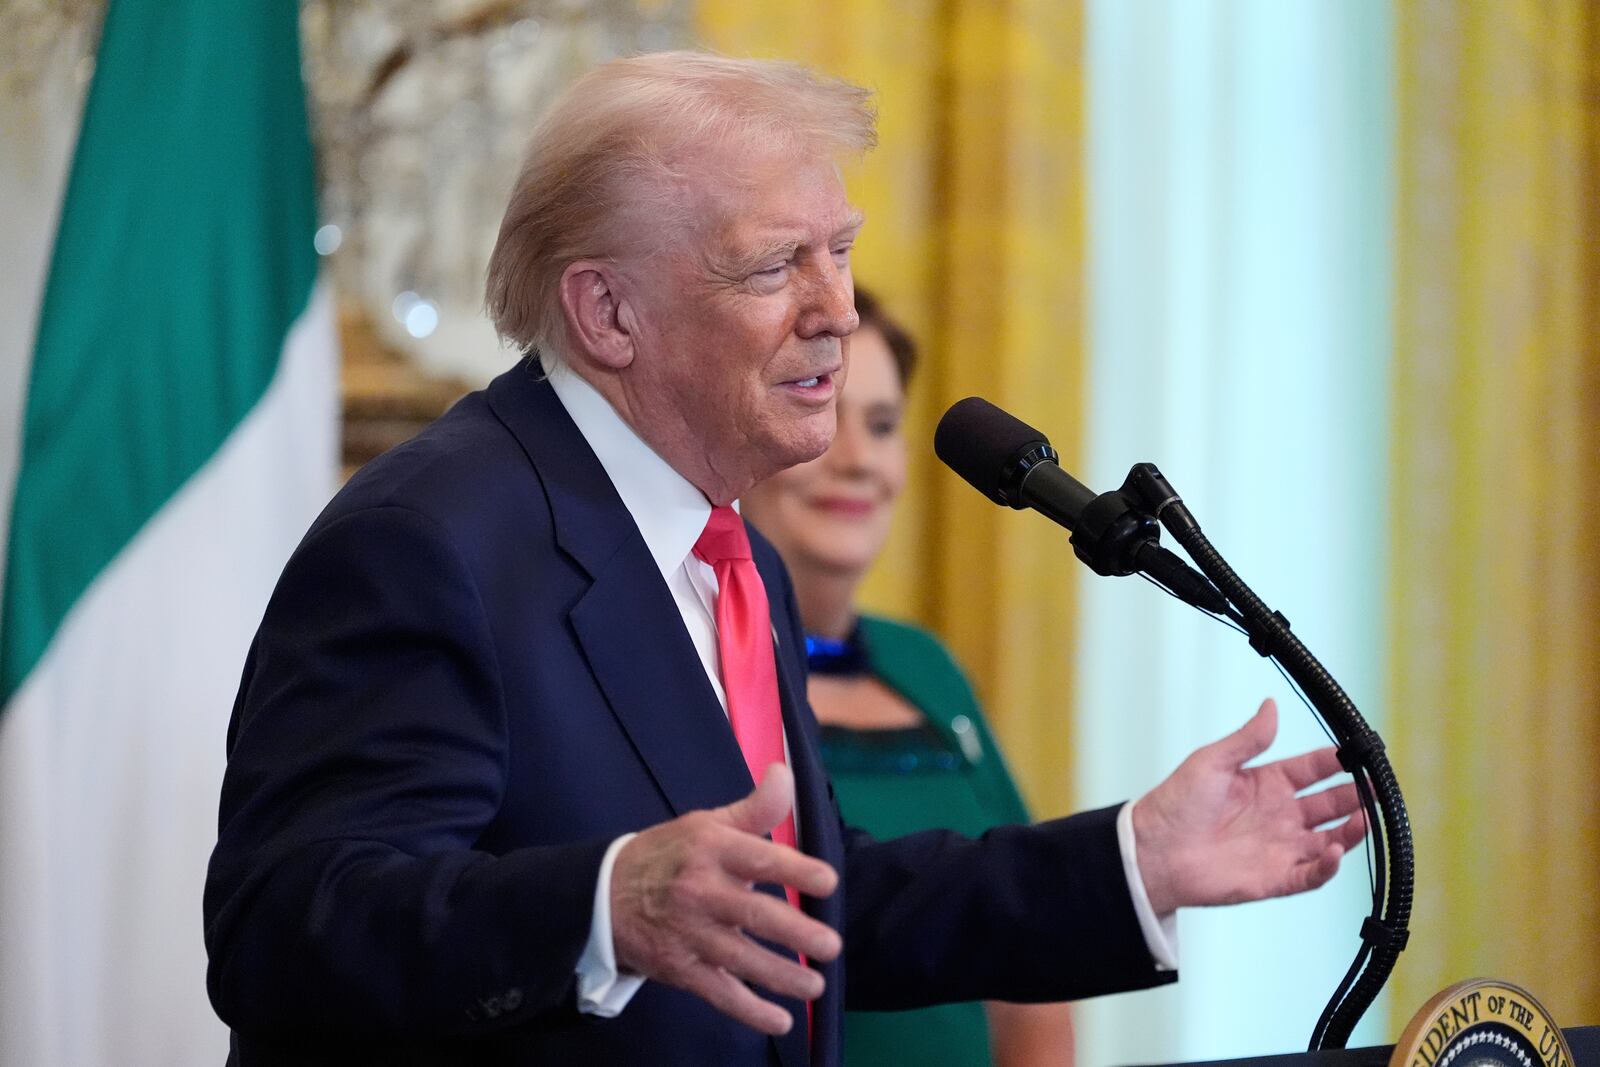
{"x": 790, "y": 453}
{"x": 807, "y": 447}
{"x": 790, "y": 443}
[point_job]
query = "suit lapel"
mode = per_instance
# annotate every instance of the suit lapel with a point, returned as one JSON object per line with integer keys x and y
{"x": 819, "y": 831}
{"x": 819, "y": 836}
{"x": 643, "y": 659}
{"x": 627, "y": 623}
{"x": 819, "y": 825}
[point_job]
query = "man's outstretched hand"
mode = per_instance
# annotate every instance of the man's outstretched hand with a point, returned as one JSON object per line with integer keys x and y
{"x": 683, "y": 910}
{"x": 1218, "y": 832}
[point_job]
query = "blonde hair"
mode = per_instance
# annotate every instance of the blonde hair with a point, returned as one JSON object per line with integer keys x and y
{"x": 621, "y": 139}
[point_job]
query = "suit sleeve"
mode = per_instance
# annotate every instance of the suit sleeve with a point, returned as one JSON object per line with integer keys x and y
{"x": 1022, "y": 913}
{"x": 367, "y": 756}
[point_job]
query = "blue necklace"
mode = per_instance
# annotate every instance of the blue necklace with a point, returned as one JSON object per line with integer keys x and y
{"x": 847, "y": 658}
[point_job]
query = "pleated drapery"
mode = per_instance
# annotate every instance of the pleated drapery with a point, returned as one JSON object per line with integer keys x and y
{"x": 1495, "y": 657}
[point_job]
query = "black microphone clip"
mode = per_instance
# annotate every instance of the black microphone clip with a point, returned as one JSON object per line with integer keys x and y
{"x": 1118, "y": 534}
{"x": 1110, "y": 534}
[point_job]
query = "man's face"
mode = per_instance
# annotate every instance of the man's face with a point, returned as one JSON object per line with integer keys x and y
{"x": 738, "y": 324}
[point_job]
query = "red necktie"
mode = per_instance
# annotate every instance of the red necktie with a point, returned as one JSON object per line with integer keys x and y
{"x": 744, "y": 644}
{"x": 749, "y": 671}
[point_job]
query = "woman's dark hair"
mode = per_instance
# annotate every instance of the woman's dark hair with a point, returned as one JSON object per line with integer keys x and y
{"x": 901, "y": 346}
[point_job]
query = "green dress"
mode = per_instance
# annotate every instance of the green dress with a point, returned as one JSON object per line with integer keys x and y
{"x": 946, "y": 773}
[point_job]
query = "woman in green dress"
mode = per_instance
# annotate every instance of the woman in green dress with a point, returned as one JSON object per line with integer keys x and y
{"x": 902, "y": 735}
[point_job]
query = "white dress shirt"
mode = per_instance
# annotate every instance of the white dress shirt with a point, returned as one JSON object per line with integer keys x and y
{"x": 671, "y": 514}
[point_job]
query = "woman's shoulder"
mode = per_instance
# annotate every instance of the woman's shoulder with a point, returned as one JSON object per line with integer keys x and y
{"x": 894, "y": 639}
{"x": 914, "y": 661}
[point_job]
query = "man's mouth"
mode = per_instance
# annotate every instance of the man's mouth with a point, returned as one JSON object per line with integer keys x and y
{"x": 821, "y": 380}
{"x": 818, "y": 388}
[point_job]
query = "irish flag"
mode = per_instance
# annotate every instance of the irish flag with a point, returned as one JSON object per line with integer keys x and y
{"x": 168, "y": 417}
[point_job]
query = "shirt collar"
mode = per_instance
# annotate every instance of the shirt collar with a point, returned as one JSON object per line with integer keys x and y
{"x": 666, "y": 507}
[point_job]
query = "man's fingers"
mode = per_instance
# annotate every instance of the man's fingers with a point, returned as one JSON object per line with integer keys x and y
{"x": 774, "y": 920}
{"x": 766, "y": 806}
{"x": 735, "y": 999}
{"x": 745, "y": 959}
{"x": 1251, "y": 739}
{"x": 682, "y": 907}
{"x": 1324, "y": 850}
{"x": 1317, "y": 872}
{"x": 756, "y": 860}
{"x": 1348, "y": 834}
{"x": 1309, "y": 768}
{"x": 1328, "y": 805}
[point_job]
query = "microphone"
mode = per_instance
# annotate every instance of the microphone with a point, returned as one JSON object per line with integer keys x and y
{"x": 1011, "y": 463}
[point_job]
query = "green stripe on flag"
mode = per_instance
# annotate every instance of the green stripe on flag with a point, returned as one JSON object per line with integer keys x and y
{"x": 183, "y": 257}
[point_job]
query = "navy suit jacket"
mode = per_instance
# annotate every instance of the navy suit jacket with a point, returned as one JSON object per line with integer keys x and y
{"x": 470, "y": 679}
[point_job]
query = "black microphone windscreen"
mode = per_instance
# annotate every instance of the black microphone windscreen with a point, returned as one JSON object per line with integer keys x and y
{"x": 980, "y": 442}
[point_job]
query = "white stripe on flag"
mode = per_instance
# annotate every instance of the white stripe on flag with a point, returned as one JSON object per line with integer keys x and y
{"x": 111, "y": 755}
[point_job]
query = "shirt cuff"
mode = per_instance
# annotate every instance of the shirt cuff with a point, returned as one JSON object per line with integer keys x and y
{"x": 1160, "y": 931}
{"x": 602, "y": 990}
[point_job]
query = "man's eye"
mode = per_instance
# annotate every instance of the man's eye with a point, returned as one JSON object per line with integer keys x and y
{"x": 772, "y": 272}
{"x": 843, "y": 251}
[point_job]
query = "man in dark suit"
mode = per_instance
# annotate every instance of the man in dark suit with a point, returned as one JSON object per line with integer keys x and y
{"x": 492, "y": 787}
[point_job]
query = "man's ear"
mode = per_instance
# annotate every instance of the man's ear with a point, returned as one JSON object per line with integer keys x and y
{"x": 597, "y": 321}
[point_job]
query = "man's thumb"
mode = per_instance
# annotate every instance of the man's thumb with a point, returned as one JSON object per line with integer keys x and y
{"x": 1253, "y": 738}
{"x": 767, "y": 805}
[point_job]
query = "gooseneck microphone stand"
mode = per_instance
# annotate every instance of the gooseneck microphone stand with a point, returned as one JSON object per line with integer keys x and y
{"x": 1116, "y": 533}
{"x": 1361, "y": 753}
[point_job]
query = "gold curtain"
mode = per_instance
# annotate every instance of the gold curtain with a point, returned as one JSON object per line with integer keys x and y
{"x": 1496, "y": 556}
{"x": 974, "y": 202}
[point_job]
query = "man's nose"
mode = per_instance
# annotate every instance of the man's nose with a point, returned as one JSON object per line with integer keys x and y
{"x": 831, "y": 304}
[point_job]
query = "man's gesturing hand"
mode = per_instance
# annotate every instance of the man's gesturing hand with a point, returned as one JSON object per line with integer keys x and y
{"x": 1217, "y": 832}
{"x": 683, "y": 909}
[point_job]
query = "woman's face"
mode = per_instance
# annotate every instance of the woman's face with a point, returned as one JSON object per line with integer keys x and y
{"x": 833, "y": 513}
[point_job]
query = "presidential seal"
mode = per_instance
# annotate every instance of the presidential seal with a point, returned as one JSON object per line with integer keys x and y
{"x": 1482, "y": 1023}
